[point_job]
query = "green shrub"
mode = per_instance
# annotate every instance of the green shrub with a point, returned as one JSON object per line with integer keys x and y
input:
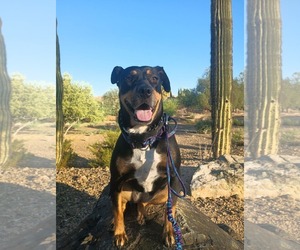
{"x": 110, "y": 102}
{"x": 204, "y": 126}
{"x": 102, "y": 151}
{"x": 237, "y": 138}
{"x": 290, "y": 137}
{"x": 18, "y": 153}
{"x": 238, "y": 122}
{"x": 290, "y": 121}
{"x": 170, "y": 106}
{"x": 187, "y": 98}
{"x": 68, "y": 155}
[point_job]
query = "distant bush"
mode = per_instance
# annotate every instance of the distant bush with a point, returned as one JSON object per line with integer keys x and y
{"x": 187, "y": 98}
{"x": 68, "y": 155}
{"x": 102, "y": 151}
{"x": 31, "y": 101}
{"x": 171, "y": 106}
{"x": 290, "y": 121}
{"x": 199, "y": 97}
{"x": 290, "y": 137}
{"x": 110, "y": 102}
{"x": 79, "y": 103}
{"x": 238, "y": 122}
{"x": 18, "y": 153}
{"x": 237, "y": 138}
{"x": 204, "y": 126}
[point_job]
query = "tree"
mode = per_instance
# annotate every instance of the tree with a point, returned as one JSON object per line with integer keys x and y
{"x": 203, "y": 90}
{"x": 237, "y": 94}
{"x": 263, "y": 76}
{"x": 110, "y": 102}
{"x": 79, "y": 103}
{"x": 5, "y": 115}
{"x": 289, "y": 96}
{"x": 30, "y": 102}
{"x": 199, "y": 97}
{"x": 221, "y": 76}
{"x": 187, "y": 97}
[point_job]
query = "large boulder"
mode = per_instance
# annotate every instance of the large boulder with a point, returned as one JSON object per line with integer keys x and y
{"x": 268, "y": 176}
{"x": 198, "y": 231}
{"x": 222, "y": 177}
{"x": 272, "y": 176}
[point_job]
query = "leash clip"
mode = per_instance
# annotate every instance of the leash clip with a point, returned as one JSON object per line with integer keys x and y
{"x": 166, "y": 119}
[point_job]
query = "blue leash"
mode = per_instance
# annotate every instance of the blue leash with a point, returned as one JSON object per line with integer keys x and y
{"x": 170, "y": 164}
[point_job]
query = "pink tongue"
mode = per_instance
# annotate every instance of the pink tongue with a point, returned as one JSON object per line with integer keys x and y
{"x": 144, "y": 115}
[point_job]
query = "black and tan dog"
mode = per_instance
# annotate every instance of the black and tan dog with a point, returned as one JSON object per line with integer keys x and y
{"x": 138, "y": 164}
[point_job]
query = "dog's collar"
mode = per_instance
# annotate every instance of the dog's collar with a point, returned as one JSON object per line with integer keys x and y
{"x": 153, "y": 134}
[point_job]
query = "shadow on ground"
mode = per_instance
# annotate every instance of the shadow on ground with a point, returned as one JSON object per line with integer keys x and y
{"x": 79, "y": 204}
{"x": 28, "y": 216}
{"x": 33, "y": 161}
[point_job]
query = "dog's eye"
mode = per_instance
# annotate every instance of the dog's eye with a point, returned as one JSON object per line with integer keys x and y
{"x": 130, "y": 79}
{"x": 154, "y": 79}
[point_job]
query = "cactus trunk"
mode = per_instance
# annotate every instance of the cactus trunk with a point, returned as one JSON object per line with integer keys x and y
{"x": 59, "y": 108}
{"x": 5, "y": 115}
{"x": 221, "y": 76}
{"x": 263, "y": 76}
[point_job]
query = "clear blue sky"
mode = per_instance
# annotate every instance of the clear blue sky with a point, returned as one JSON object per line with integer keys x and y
{"x": 29, "y": 33}
{"x": 97, "y": 35}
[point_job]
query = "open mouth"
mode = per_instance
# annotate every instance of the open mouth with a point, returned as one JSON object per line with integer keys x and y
{"x": 143, "y": 113}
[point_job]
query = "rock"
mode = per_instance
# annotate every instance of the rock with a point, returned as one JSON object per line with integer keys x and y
{"x": 257, "y": 237}
{"x": 272, "y": 176}
{"x": 223, "y": 177}
{"x": 198, "y": 231}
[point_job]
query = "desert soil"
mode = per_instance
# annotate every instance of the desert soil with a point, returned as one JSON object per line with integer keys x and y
{"x": 79, "y": 187}
{"x": 30, "y": 189}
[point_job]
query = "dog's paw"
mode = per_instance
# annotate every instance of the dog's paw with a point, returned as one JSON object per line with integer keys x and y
{"x": 120, "y": 239}
{"x": 169, "y": 238}
{"x": 141, "y": 219}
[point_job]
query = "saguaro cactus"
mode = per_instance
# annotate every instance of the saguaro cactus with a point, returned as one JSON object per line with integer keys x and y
{"x": 221, "y": 76}
{"x": 5, "y": 116}
{"x": 263, "y": 76}
{"x": 59, "y": 108}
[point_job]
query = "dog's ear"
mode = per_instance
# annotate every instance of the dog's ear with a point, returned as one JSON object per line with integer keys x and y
{"x": 164, "y": 78}
{"x": 116, "y": 74}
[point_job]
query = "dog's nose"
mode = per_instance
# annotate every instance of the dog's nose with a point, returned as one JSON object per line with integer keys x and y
{"x": 145, "y": 91}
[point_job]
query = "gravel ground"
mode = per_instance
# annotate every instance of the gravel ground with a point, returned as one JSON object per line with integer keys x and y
{"x": 28, "y": 192}
{"x": 79, "y": 188}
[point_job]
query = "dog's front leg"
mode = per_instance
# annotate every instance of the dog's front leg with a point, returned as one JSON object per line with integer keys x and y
{"x": 119, "y": 225}
{"x": 168, "y": 229}
{"x": 141, "y": 213}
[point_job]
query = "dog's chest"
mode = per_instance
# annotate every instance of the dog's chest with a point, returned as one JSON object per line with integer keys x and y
{"x": 145, "y": 163}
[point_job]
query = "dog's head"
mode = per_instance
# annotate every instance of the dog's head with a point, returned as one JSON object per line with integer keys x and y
{"x": 140, "y": 92}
